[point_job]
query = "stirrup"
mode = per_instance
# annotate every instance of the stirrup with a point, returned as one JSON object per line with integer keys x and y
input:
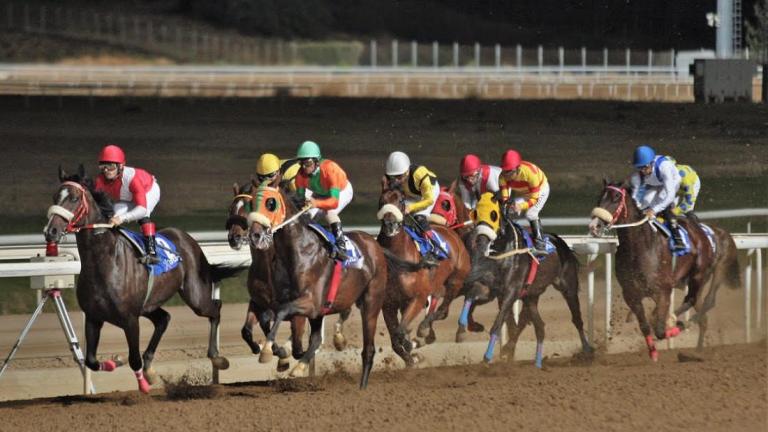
{"x": 430, "y": 260}
{"x": 340, "y": 253}
{"x": 149, "y": 259}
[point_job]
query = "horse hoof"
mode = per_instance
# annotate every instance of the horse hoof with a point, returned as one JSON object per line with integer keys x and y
{"x": 654, "y": 355}
{"x": 461, "y": 336}
{"x": 299, "y": 370}
{"x": 418, "y": 342}
{"x": 475, "y": 327}
{"x": 144, "y": 386}
{"x": 417, "y": 358}
{"x": 423, "y": 331}
{"x": 118, "y": 359}
{"x": 220, "y": 363}
{"x": 339, "y": 342}
{"x": 431, "y": 337}
{"x": 150, "y": 375}
{"x": 283, "y": 364}
{"x": 107, "y": 366}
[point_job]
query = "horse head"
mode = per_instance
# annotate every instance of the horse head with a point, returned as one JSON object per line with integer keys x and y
{"x": 75, "y": 205}
{"x": 269, "y": 210}
{"x": 487, "y": 220}
{"x": 613, "y": 206}
{"x": 391, "y": 209}
{"x": 237, "y": 221}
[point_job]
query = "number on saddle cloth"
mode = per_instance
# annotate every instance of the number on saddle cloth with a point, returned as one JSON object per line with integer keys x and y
{"x": 354, "y": 256}
{"x": 550, "y": 247}
{"x": 666, "y": 231}
{"x": 166, "y": 251}
{"x": 425, "y": 246}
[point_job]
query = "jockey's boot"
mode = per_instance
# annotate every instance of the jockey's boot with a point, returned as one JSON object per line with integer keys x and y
{"x": 148, "y": 229}
{"x": 672, "y": 218}
{"x": 341, "y": 246}
{"x": 539, "y": 243}
{"x": 431, "y": 259}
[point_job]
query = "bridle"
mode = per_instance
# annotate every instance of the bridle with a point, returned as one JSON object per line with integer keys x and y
{"x": 73, "y": 218}
{"x": 238, "y": 219}
{"x": 621, "y": 210}
{"x": 622, "y": 207}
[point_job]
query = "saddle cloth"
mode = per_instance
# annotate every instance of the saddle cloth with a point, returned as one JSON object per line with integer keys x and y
{"x": 166, "y": 251}
{"x": 550, "y": 247}
{"x": 425, "y": 246}
{"x": 671, "y": 242}
{"x": 354, "y": 257}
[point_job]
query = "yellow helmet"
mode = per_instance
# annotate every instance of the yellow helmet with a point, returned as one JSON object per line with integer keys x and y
{"x": 290, "y": 173}
{"x": 267, "y": 164}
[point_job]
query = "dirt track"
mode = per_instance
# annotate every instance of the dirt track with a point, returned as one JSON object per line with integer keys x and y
{"x": 725, "y": 391}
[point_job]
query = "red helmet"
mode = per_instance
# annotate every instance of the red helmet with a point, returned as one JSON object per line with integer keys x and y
{"x": 469, "y": 165}
{"x": 510, "y": 161}
{"x": 112, "y": 153}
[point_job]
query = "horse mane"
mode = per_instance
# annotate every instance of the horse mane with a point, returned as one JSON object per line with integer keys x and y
{"x": 291, "y": 199}
{"x": 102, "y": 199}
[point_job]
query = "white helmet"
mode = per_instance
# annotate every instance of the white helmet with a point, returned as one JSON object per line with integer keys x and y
{"x": 398, "y": 163}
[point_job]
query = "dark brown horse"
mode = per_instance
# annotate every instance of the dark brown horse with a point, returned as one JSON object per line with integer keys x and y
{"x": 267, "y": 280}
{"x": 645, "y": 266}
{"x": 502, "y": 268}
{"x": 276, "y": 222}
{"x": 114, "y": 287}
{"x": 408, "y": 291}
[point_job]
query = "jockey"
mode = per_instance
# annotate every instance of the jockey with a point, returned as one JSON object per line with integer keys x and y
{"x": 268, "y": 166}
{"x": 654, "y": 187}
{"x": 134, "y": 191}
{"x": 421, "y": 188}
{"x": 531, "y": 191}
{"x": 689, "y": 191}
{"x": 329, "y": 189}
{"x": 476, "y": 179}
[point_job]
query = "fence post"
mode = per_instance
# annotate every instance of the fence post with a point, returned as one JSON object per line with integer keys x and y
{"x": 435, "y": 54}
{"x": 477, "y": 54}
{"x": 748, "y": 297}
{"x": 608, "y": 295}
{"x": 394, "y": 53}
{"x": 605, "y": 59}
{"x": 373, "y": 54}
{"x": 672, "y": 62}
{"x": 628, "y": 56}
{"x": 519, "y": 56}
{"x": 650, "y": 61}
{"x": 414, "y": 54}
{"x": 583, "y": 59}
{"x": 455, "y": 54}
{"x": 759, "y": 275}
{"x": 497, "y": 55}
{"x": 541, "y": 59}
{"x": 591, "y": 296}
{"x": 561, "y": 59}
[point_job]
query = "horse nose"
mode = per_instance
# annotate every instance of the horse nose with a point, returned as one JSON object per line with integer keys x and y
{"x": 52, "y": 234}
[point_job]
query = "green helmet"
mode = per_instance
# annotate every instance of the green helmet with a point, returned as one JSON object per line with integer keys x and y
{"x": 307, "y": 150}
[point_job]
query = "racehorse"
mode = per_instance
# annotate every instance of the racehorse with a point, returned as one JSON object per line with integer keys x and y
{"x": 408, "y": 290}
{"x": 267, "y": 283}
{"x": 504, "y": 268}
{"x": 115, "y": 287}
{"x": 645, "y": 266}
{"x": 275, "y": 221}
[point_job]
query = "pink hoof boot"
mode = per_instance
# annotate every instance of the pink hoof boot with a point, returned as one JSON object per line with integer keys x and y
{"x": 672, "y": 332}
{"x": 144, "y": 386}
{"x": 107, "y": 366}
{"x": 654, "y": 355}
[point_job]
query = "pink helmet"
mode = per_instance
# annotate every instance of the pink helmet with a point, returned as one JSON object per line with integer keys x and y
{"x": 469, "y": 165}
{"x": 112, "y": 153}
{"x": 510, "y": 161}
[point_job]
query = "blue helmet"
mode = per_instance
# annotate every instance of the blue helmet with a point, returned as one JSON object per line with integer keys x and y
{"x": 643, "y": 156}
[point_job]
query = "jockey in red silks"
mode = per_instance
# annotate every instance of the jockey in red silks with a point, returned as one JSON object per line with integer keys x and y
{"x": 134, "y": 191}
{"x": 477, "y": 178}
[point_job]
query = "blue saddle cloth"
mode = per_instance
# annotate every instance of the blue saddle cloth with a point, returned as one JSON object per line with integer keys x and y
{"x": 166, "y": 251}
{"x": 710, "y": 236}
{"x": 354, "y": 257}
{"x": 425, "y": 246}
{"x": 671, "y": 241}
{"x": 550, "y": 247}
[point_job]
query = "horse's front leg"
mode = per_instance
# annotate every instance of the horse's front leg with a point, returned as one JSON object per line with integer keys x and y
{"x": 339, "y": 341}
{"x": 504, "y": 309}
{"x": 301, "y": 306}
{"x": 160, "y": 319}
{"x": 247, "y": 331}
{"x": 315, "y": 339}
{"x": 661, "y": 314}
{"x": 409, "y": 314}
{"x": 131, "y": 330}
{"x": 92, "y": 335}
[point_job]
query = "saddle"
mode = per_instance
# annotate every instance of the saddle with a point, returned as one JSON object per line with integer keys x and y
{"x": 354, "y": 257}
{"x": 166, "y": 251}
{"x": 425, "y": 246}
{"x": 550, "y": 247}
{"x": 666, "y": 231}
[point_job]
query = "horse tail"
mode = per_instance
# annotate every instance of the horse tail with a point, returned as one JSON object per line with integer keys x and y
{"x": 569, "y": 264}
{"x": 727, "y": 265}
{"x": 399, "y": 265}
{"x": 223, "y": 271}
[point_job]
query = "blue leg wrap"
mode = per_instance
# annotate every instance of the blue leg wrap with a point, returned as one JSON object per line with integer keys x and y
{"x": 491, "y": 345}
{"x": 464, "y": 317}
{"x": 539, "y": 354}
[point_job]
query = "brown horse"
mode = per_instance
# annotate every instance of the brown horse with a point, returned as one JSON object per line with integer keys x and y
{"x": 114, "y": 286}
{"x": 408, "y": 291}
{"x": 503, "y": 268}
{"x": 645, "y": 267}
{"x": 301, "y": 251}
{"x": 267, "y": 283}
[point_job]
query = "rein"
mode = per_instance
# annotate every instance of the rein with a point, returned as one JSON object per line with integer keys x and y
{"x": 80, "y": 212}
{"x": 292, "y": 219}
{"x": 622, "y": 208}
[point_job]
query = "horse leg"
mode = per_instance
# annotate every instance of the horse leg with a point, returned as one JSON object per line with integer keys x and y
{"x": 297, "y": 331}
{"x": 247, "y": 331}
{"x": 214, "y": 318}
{"x": 92, "y": 335}
{"x": 702, "y": 330}
{"x": 662, "y": 313}
{"x": 571, "y": 297}
{"x": 315, "y": 339}
{"x": 198, "y": 296}
{"x": 409, "y": 314}
{"x": 472, "y": 325}
{"x": 131, "y": 330}
{"x": 369, "y": 313}
{"x": 636, "y": 306}
{"x": 504, "y": 308}
{"x": 532, "y": 304}
{"x": 398, "y": 339}
{"x": 515, "y": 329}
{"x": 160, "y": 319}
{"x": 339, "y": 341}
{"x": 285, "y": 310}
